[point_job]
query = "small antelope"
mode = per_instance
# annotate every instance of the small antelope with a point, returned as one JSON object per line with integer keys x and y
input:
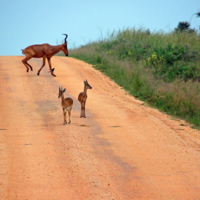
{"x": 43, "y": 51}
{"x": 66, "y": 104}
{"x": 83, "y": 97}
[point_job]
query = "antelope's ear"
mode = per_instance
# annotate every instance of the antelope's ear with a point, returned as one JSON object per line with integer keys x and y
{"x": 64, "y": 90}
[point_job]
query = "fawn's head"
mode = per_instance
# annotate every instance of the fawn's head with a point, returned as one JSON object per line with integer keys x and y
{"x": 61, "y": 91}
{"x": 87, "y": 86}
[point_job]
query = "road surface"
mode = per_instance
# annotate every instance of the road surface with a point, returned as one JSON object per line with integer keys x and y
{"x": 123, "y": 150}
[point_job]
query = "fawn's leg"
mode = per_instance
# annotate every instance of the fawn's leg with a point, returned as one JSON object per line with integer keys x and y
{"x": 69, "y": 112}
{"x": 82, "y": 109}
{"x": 64, "y": 115}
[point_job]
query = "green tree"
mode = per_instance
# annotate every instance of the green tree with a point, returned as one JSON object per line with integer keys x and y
{"x": 184, "y": 27}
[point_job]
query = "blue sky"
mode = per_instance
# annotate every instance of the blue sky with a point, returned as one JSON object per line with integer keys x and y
{"x": 24, "y": 23}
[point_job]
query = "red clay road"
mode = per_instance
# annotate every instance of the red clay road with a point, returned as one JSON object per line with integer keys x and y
{"x": 123, "y": 150}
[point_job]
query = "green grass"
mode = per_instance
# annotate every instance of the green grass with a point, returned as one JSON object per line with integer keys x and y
{"x": 158, "y": 68}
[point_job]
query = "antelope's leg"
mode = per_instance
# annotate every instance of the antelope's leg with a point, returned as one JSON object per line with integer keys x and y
{"x": 24, "y": 61}
{"x": 44, "y": 57}
{"x": 49, "y": 61}
{"x": 30, "y": 66}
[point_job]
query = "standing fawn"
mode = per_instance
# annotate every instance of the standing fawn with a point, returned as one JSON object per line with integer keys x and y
{"x": 66, "y": 104}
{"x": 83, "y": 97}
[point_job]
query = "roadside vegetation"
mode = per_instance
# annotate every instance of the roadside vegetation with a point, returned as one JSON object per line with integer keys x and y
{"x": 161, "y": 69}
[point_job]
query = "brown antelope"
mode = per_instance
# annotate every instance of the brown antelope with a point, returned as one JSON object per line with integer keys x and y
{"x": 43, "y": 51}
{"x": 66, "y": 104}
{"x": 83, "y": 97}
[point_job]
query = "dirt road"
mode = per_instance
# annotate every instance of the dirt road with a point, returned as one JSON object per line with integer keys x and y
{"x": 123, "y": 150}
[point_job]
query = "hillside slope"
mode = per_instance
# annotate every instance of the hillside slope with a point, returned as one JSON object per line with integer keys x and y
{"x": 122, "y": 150}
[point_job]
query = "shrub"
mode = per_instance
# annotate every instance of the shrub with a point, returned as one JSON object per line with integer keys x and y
{"x": 158, "y": 68}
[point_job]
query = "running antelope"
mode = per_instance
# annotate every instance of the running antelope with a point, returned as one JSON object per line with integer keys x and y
{"x": 83, "y": 97}
{"x": 43, "y": 51}
{"x": 66, "y": 104}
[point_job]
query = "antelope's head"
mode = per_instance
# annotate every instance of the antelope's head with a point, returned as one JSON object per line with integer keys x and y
{"x": 61, "y": 91}
{"x": 64, "y": 48}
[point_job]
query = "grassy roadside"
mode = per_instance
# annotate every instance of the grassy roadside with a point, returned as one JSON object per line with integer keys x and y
{"x": 161, "y": 69}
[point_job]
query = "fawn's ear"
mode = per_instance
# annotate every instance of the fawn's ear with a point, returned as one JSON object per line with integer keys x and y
{"x": 64, "y": 90}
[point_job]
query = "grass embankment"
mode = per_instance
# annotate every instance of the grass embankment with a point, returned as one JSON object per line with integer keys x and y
{"x": 161, "y": 69}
